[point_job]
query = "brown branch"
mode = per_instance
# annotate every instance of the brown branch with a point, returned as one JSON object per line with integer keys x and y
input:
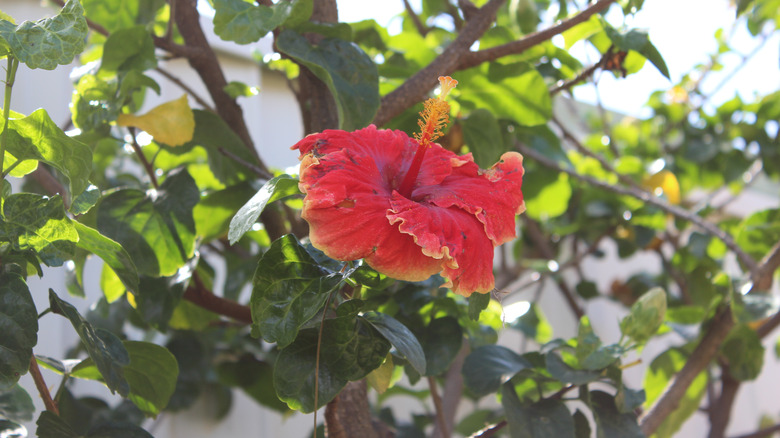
{"x": 415, "y": 88}
{"x": 201, "y": 101}
{"x": 762, "y": 433}
{"x": 43, "y": 390}
{"x": 421, "y": 28}
{"x": 205, "y": 62}
{"x": 720, "y": 411}
{"x": 198, "y": 294}
{"x": 441, "y": 422}
{"x": 648, "y": 198}
{"x": 453, "y": 388}
{"x": 349, "y": 415}
{"x": 490, "y": 430}
{"x": 583, "y": 75}
{"x": 473, "y": 59}
{"x": 147, "y": 165}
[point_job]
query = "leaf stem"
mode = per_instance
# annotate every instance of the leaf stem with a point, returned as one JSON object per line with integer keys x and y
{"x": 10, "y": 75}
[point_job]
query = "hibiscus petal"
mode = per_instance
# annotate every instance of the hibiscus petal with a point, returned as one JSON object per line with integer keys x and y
{"x": 453, "y": 236}
{"x": 493, "y": 197}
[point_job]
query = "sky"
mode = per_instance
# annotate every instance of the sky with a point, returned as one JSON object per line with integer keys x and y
{"x": 683, "y": 32}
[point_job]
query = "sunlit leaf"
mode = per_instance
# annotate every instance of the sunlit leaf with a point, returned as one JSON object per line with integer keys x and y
{"x": 664, "y": 182}
{"x": 244, "y": 23}
{"x": 278, "y": 187}
{"x": 172, "y": 123}
{"x": 401, "y": 337}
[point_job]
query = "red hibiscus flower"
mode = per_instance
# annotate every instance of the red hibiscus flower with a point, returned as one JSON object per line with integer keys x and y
{"x": 409, "y": 207}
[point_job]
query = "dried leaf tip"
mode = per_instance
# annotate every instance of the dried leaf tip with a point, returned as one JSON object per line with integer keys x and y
{"x": 436, "y": 113}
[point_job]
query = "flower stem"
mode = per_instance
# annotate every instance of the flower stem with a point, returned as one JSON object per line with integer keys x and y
{"x": 10, "y": 75}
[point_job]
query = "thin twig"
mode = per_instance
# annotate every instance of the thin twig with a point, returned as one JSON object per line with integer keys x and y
{"x": 201, "y": 101}
{"x": 421, "y": 28}
{"x": 440, "y": 421}
{"x": 762, "y": 433}
{"x": 648, "y": 198}
{"x": 259, "y": 171}
{"x": 200, "y": 295}
{"x": 490, "y": 430}
{"x": 43, "y": 390}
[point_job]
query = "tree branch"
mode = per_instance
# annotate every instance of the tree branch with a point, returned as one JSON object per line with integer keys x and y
{"x": 642, "y": 195}
{"x": 473, "y": 59}
{"x": 414, "y": 88}
{"x": 43, "y": 390}
{"x": 415, "y": 19}
{"x": 441, "y": 422}
{"x": 198, "y": 294}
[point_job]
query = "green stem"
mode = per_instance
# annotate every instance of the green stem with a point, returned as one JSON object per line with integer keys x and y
{"x": 13, "y": 64}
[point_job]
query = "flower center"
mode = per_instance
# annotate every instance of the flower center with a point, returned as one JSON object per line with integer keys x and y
{"x": 433, "y": 118}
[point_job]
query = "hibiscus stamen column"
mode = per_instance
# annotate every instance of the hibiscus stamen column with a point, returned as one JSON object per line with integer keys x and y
{"x": 434, "y": 117}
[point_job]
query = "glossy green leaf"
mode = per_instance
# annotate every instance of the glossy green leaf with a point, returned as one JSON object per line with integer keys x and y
{"x": 48, "y": 42}
{"x": 545, "y": 418}
{"x": 590, "y": 353}
{"x": 560, "y": 370}
{"x": 486, "y": 368}
{"x": 349, "y": 73}
{"x": 744, "y": 353}
{"x": 660, "y": 372}
{"x": 151, "y": 374}
{"x": 278, "y": 187}
{"x": 103, "y": 347}
{"x": 294, "y": 374}
{"x": 129, "y": 49}
{"x": 352, "y": 347}
{"x": 401, "y": 337}
{"x": 289, "y": 289}
{"x": 482, "y": 135}
{"x": 37, "y": 137}
{"x": 477, "y": 303}
{"x": 157, "y": 229}
{"x": 611, "y": 423}
{"x": 521, "y": 96}
{"x": 441, "y": 341}
{"x": 244, "y": 23}
{"x": 255, "y": 378}
{"x": 158, "y": 297}
{"x": 16, "y": 404}
{"x": 19, "y": 325}
{"x": 646, "y": 316}
{"x": 111, "y": 252}
{"x": 34, "y": 222}
{"x": 85, "y": 201}
{"x": 216, "y": 137}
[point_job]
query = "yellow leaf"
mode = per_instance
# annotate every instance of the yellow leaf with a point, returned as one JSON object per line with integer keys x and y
{"x": 171, "y": 123}
{"x": 6, "y": 17}
{"x": 664, "y": 183}
{"x": 379, "y": 379}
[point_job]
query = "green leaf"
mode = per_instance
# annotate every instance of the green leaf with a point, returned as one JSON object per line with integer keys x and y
{"x": 50, "y": 425}
{"x": 244, "y": 23}
{"x": 157, "y": 229}
{"x": 590, "y": 353}
{"x": 48, "y": 42}
{"x": 255, "y": 378}
{"x": 151, "y": 374}
{"x": 189, "y": 316}
{"x": 215, "y": 211}
{"x": 520, "y": 95}
{"x": 32, "y": 221}
{"x": 113, "y": 15}
{"x": 441, "y": 341}
{"x": 85, "y": 201}
{"x": 236, "y": 89}
{"x": 112, "y": 253}
{"x": 349, "y": 73}
{"x": 129, "y": 49}
{"x": 215, "y": 136}
{"x": 158, "y": 298}
{"x": 482, "y": 135}
{"x": 103, "y": 347}
{"x": 289, "y": 289}
{"x": 545, "y": 418}
{"x": 16, "y": 404}
{"x": 19, "y": 325}
{"x": 37, "y": 137}
{"x": 744, "y": 353}
{"x": 477, "y": 303}
{"x": 757, "y": 233}
{"x": 294, "y": 374}
{"x": 646, "y": 316}
{"x": 352, "y": 347}
{"x": 638, "y": 41}
{"x": 401, "y": 337}
{"x": 487, "y": 367}
{"x": 278, "y": 187}
{"x": 611, "y": 423}
{"x": 581, "y": 425}
{"x": 660, "y": 372}
{"x": 559, "y": 370}
{"x": 546, "y": 194}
